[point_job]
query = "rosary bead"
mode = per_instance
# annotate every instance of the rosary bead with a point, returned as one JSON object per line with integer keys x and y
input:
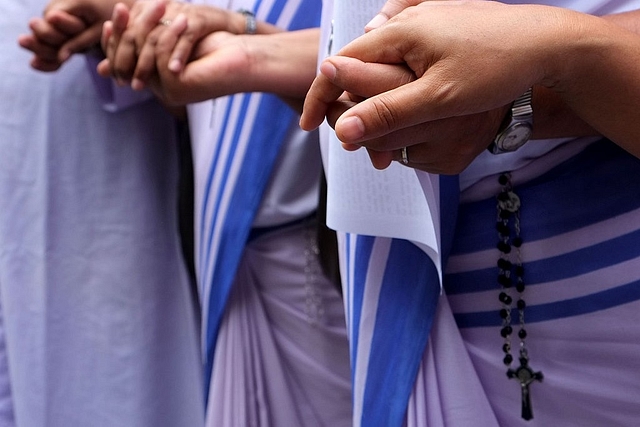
{"x": 504, "y": 298}
{"x": 504, "y": 264}
{"x": 506, "y": 331}
{"x": 505, "y": 248}
{"x": 504, "y": 280}
{"x": 508, "y": 230}
{"x": 503, "y": 229}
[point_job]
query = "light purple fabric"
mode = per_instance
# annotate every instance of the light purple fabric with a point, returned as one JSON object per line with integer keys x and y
{"x": 282, "y": 356}
{"x": 98, "y": 317}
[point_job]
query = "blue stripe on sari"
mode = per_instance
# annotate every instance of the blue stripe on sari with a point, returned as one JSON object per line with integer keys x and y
{"x": 594, "y": 174}
{"x": 364, "y": 246}
{"x": 274, "y": 120}
{"x": 258, "y": 163}
{"x": 449, "y": 200}
{"x": 559, "y": 309}
{"x": 564, "y": 199}
{"x": 276, "y": 11}
{"x": 207, "y": 192}
{"x": 307, "y": 15}
{"x": 244, "y": 99}
{"x": 406, "y": 305}
{"x": 601, "y": 255}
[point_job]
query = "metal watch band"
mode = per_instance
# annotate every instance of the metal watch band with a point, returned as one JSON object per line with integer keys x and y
{"x": 521, "y": 108}
{"x": 517, "y": 126}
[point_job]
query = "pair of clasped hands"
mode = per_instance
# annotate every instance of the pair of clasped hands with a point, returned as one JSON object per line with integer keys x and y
{"x": 436, "y": 77}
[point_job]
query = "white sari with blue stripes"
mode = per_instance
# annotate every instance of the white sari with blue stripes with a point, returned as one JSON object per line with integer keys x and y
{"x": 581, "y": 229}
{"x": 253, "y": 295}
{"x": 421, "y": 358}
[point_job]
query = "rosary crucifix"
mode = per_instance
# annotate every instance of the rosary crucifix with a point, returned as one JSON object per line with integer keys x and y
{"x": 525, "y": 376}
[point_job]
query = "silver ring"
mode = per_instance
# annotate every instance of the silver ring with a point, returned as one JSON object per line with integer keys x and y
{"x": 405, "y": 156}
{"x": 165, "y": 22}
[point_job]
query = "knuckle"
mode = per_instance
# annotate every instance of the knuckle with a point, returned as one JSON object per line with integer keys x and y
{"x": 153, "y": 37}
{"x": 127, "y": 38}
{"x": 384, "y": 113}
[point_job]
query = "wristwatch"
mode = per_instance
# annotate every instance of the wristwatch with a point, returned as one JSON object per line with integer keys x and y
{"x": 517, "y": 129}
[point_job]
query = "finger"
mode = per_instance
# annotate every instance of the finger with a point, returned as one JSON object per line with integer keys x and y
{"x": 145, "y": 18}
{"x": 365, "y": 79}
{"x": 141, "y": 34}
{"x": 40, "y": 64}
{"x": 181, "y": 47}
{"x": 408, "y": 136}
{"x": 145, "y": 66}
{"x": 445, "y": 146}
{"x": 43, "y": 54}
{"x": 107, "y": 32}
{"x": 389, "y": 44}
{"x": 46, "y": 33}
{"x": 322, "y": 93}
{"x": 77, "y": 37}
{"x": 438, "y": 94}
{"x": 104, "y": 68}
{"x": 40, "y": 50}
{"x": 119, "y": 21}
{"x": 418, "y": 156}
{"x": 338, "y": 108}
{"x": 65, "y": 23}
{"x": 380, "y": 159}
{"x": 390, "y": 9}
{"x": 83, "y": 43}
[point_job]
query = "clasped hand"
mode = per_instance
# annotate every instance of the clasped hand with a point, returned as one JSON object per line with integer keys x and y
{"x": 438, "y": 78}
{"x": 65, "y": 27}
{"x": 193, "y": 56}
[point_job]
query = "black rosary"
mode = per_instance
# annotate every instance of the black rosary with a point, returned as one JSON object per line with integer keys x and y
{"x": 509, "y": 243}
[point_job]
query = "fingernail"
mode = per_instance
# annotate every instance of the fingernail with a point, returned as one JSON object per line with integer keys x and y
{"x": 64, "y": 55}
{"x": 329, "y": 70}
{"x": 137, "y": 84}
{"x": 377, "y": 20}
{"x": 175, "y": 65}
{"x": 350, "y": 129}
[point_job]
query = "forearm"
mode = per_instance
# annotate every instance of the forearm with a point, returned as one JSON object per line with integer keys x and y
{"x": 285, "y": 64}
{"x": 594, "y": 89}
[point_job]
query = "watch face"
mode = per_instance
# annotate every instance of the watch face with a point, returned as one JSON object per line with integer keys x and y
{"x": 515, "y": 136}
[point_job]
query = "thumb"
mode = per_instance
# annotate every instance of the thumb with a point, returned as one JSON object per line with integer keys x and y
{"x": 387, "y": 112}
